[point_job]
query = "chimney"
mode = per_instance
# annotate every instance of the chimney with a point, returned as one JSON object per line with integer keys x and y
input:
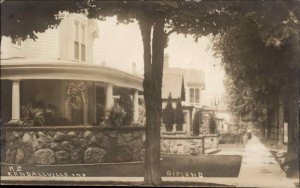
{"x": 103, "y": 63}
{"x": 133, "y": 68}
{"x": 166, "y": 61}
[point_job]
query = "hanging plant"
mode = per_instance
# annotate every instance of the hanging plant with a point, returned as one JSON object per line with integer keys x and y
{"x": 75, "y": 94}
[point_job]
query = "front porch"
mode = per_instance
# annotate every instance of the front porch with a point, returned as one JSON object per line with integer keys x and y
{"x": 29, "y": 89}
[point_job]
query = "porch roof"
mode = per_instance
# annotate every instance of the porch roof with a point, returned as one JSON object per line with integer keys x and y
{"x": 22, "y": 69}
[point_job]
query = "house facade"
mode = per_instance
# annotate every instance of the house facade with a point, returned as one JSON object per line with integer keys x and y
{"x": 55, "y": 76}
{"x": 194, "y": 83}
{"x": 44, "y": 70}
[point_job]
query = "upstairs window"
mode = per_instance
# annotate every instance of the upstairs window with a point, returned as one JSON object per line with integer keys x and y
{"x": 79, "y": 42}
{"x": 83, "y": 43}
{"x": 17, "y": 42}
{"x": 194, "y": 95}
{"x": 76, "y": 41}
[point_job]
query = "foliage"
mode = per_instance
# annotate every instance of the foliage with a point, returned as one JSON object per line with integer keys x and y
{"x": 116, "y": 115}
{"x": 258, "y": 54}
{"x": 182, "y": 96}
{"x": 24, "y": 19}
{"x": 75, "y": 94}
{"x": 157, "y": 20}
{"x": 126, "y": 103}
{"x": 212, "y": 124}
{"x": 32, "y": 116}
{"x": 168, "y": 115}
{"x": 197, "y": 121}
{"x": 179, "y": 117}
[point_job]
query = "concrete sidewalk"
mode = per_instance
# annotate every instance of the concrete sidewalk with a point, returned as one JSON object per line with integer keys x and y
{"x": 260, "y": 169}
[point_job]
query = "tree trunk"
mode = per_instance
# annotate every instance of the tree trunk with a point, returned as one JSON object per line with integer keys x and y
{"x": 263, "y": 128}
{"x": 153, "y": 70}
{"x": 269, "y": 121}
{"x": 293, "y": 112}
{"x": 281, "y": 124}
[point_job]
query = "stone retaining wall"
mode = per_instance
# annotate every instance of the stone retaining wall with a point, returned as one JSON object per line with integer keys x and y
{"x": 75, "y": 146}
{"x": 187, "y": 144}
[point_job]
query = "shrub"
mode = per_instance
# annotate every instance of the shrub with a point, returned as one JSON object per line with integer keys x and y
{"x": 168, "y": 115}
{"x": 196, "y": 123}
{"x": 212, "y": 124}
{"x": 179, "y": 117}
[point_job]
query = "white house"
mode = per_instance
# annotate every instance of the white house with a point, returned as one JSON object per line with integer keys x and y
{"x": 194, "y": 84}
{"x": 39, "y": 71}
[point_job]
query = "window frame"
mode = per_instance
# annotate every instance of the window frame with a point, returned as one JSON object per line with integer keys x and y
{"x": 16, "y": 44}
{"x": 194, "y": 95}
{"x": 76, "y": 45}
{"x": 79, "y": 44}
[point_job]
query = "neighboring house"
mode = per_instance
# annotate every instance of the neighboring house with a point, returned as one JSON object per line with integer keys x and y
{"x": 194, "y": 84}
{"x": 38, "y": 72}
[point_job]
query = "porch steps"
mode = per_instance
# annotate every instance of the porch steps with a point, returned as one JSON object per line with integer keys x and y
{"x": 211, "y": 151}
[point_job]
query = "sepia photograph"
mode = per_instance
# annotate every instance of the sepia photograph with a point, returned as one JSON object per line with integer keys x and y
{"x": 181, "y": 93}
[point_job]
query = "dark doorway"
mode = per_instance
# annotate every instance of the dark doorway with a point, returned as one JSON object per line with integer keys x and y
{"x": 100, "y": 104}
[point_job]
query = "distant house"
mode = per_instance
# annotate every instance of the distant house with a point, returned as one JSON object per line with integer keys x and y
{"x": 40, "y": 72}
{"x": 194, "y": 83}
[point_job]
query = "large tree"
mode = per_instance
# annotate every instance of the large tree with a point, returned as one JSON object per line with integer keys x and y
{"x": 157, "y": 20}
{"x": 261, "y": 55}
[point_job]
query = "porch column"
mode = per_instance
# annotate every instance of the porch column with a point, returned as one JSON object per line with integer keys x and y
{"x": 15, "y": 110}
{"x": 135, "y": 106}
{"x": 109, "y": 96}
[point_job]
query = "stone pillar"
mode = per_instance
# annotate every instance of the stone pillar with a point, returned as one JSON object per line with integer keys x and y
{"x": 109, "y": 96}
{"x": 135, "y": 106}
{"x": 15, "y": 110}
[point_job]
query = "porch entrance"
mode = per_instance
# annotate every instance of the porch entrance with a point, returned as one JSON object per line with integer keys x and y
{"x": 100, "y": 104}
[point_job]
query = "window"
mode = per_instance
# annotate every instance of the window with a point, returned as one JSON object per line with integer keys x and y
{"x": 197, "y": 95}
{"x": 82, "y": 52}
{"x": 82, "y": 34}
{"x": 76, "y": 41}
{"x": 76, "y": 50}
{"x": 79, "y": 42}
{"x": 82, "y": 43}
{"x": 17, "y": 43}
{"x": 194, "y": 95}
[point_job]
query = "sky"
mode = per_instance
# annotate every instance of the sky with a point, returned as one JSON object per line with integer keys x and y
{"x": 120, "y": 45}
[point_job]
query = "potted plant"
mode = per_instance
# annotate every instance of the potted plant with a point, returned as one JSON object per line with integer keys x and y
{"x": 32, "y": 116}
